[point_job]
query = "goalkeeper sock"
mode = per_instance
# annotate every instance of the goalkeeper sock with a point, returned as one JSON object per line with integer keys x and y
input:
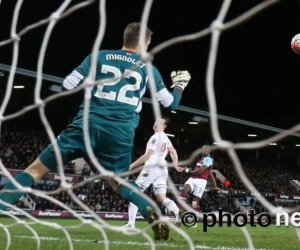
{"x": 25, "y": 179}
{"x": 136, "y": 199}
{"x": 132, "y": 211}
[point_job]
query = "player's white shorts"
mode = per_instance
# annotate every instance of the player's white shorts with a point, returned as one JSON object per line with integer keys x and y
{"x": 153, "y": 175}
{"x": 197, "y": 186}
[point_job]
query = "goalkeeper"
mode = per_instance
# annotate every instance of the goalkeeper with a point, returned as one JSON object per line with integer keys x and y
{"x": 113, "y": 117}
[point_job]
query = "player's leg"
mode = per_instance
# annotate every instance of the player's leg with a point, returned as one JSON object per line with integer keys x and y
{"x": 114, "y": 152}
{"x": 26, "y": 179}
{"x": 143, "y": 181}
{"x": 161, "y": 199}
{"x": 44, "y": 163}
{"x": 161, "y": 230}
{"x": 160, "y": 191}
{"x": 132, "y": 211}
{"x": 187, "y": 189}
{"x": 134, "y": 197}
{"x": 195, "y": 203}
{"x": 199, "y": 188}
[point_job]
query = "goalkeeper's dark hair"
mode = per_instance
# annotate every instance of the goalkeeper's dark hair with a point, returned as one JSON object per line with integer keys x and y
{"x": 167, "y": 120}
{"x": 132, "y": 33}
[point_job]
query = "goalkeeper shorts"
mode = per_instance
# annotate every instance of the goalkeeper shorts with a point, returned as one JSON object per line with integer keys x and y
{"x": 113, "y": 150}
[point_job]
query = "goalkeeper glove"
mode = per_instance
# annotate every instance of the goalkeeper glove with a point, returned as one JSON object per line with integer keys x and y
{"x": 180, "y": 79}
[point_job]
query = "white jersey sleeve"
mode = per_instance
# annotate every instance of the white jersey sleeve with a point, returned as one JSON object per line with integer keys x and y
{"x": 153, "y": 143}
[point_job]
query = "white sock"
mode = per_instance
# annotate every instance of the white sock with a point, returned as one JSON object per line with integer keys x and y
{"x": 132, "y": 211}
{"x": 171, "y": 206}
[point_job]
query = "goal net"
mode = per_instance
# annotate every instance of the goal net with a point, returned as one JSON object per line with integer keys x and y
{"x": 84, "y": 223}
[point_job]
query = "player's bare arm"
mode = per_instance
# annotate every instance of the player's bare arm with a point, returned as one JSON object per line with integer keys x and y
{"x": 142, "y": 159}
{"x": 174, "y": 157}
{"x": 206, "y": 163}
{"x": 213, "y": 181}
{"x": 196, "y": 172}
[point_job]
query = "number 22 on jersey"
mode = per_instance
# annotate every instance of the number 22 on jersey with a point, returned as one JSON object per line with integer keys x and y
{"x": 121, "y": 95}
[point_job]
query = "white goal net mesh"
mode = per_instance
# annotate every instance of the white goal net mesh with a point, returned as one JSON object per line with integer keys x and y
{"x": 217, "y": 27}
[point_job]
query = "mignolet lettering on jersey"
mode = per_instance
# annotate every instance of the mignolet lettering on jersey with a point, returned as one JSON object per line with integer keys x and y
{"x": 117, "y": 99}
{"x": 160, "y": 144}
{"x": 206, "y": 162}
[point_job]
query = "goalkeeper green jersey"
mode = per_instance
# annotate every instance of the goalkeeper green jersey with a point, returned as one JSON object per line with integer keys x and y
{"x": 118, "y": 100}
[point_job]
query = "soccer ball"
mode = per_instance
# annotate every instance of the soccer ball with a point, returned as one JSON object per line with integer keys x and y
{"x": 295, "y": 44}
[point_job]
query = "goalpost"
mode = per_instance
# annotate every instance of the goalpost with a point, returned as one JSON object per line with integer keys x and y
{"x": 217, "y": 27}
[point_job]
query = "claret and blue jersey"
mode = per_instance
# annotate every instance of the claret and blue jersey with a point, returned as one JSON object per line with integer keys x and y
{"x": 119, "y": 99}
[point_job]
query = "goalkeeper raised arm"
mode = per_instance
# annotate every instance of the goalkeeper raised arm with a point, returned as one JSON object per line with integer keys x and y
{"x": 113, "y": 117}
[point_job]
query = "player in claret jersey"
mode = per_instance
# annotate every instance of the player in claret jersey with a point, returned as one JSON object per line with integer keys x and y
{"x": 196, "y": 184}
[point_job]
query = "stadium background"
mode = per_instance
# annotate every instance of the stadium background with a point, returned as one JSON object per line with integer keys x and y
{"x": 271, "y": 169}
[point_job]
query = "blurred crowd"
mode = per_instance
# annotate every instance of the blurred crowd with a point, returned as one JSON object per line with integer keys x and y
{"x": 18, "y": 148}
{"x": 266, "y": 177}
{"x": 100, "y": 197}
{"x": 97, "y": 196}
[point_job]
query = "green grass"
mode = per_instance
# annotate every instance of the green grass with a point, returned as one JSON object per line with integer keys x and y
{"x": 216, "y": 238}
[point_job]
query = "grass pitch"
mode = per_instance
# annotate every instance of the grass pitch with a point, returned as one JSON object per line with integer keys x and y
{"x": 216, "y": 238}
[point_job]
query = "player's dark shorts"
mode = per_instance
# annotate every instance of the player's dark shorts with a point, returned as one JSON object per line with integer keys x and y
{"x": 111, "y": 145}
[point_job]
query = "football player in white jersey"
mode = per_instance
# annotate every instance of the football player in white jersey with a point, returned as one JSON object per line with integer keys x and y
{"x": 155, "y": 170}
